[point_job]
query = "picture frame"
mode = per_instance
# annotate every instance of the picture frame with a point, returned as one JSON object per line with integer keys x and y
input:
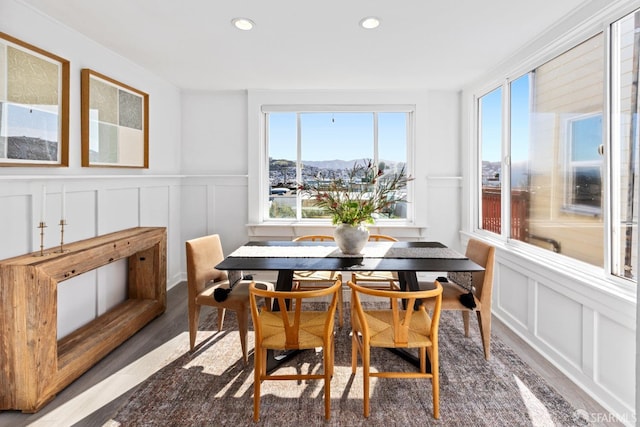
{"x": 114, "y": 123}
{"x": 34, "y": 105}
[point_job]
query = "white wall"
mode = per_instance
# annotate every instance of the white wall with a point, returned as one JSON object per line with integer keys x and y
{"x": 214, "y": 191}
{"x": 98, "y": 200}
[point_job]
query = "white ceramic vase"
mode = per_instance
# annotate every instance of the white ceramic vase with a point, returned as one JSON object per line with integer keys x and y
{"x": 351, "y": 239}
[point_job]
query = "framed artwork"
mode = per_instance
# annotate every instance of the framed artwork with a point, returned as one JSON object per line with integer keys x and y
{"x": 115, "y": 123}
{"x": 34, "y": 105}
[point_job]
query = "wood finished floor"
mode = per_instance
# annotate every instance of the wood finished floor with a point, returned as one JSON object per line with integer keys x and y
{"x": 87, "y": 401}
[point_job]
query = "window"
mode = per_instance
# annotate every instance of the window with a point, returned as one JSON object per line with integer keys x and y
{"x": 584, "y": 165}
{"x": 624, "y": 141}
{"x": 306, "y": 146}
{"x": 519, "y": 137}
{"x": 490, "y": 119}
{"x": 566, "y": 158}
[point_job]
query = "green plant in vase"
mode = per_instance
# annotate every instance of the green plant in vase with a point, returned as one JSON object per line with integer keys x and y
{"x": 353, "y": 200}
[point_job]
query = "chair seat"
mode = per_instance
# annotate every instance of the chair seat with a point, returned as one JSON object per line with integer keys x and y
{"x": 310, "y": 334}
{"x": 451, "y": 293}
{"x": 381, "y": 328}
{"x": 239, "y": 296}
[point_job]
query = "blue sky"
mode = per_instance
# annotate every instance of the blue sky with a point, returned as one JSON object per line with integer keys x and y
{"x": 345, "y": 136}
{"x": 492, "y": 122}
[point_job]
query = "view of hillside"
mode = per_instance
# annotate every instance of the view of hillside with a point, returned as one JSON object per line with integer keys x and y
{"x": 491, "y": 174}
{"x": 282, "y": 173}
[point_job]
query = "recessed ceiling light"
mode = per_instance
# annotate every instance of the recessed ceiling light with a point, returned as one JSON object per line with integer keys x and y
{"x": 370, "y": 22}
{"x": 244, "y": 24}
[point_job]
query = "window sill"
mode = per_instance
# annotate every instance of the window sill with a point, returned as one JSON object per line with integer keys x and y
{"x": 577, "y": 276}
{"x": 289, "y": 230}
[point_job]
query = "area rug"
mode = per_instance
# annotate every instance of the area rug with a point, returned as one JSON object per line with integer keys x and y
{"x": 212, "y": 387}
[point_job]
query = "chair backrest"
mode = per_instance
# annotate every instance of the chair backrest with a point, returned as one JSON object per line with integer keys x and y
{"x": 381, "y": 238}
{"x": 291, "y": 316}
{"x": 482, "y": 254}
{"x": 401, "y": 318}
{"x": 314, "y": 238}
{"x": 203, "y": 253}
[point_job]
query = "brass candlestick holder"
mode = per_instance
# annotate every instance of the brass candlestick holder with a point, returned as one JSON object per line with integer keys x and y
{"x": 42, "y": 226}
{"x": 63, "y": 222}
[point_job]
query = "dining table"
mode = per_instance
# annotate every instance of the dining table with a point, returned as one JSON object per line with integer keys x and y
{"x": 405, "y": 258}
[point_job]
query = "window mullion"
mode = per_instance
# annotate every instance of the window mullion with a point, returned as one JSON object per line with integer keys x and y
{"x": 375, "y": 138}
{"x": 506, "y": 161}
{"x": 298, "y": 165}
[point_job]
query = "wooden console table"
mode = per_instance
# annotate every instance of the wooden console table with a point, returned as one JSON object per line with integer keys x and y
{"x": 34, "y": 364}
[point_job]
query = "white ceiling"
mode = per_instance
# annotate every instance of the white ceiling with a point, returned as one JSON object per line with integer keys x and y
{"x": 298, "y": 44}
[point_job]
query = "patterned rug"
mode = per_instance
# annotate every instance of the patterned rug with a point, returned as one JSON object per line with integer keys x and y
{"x": 212, "y": 387}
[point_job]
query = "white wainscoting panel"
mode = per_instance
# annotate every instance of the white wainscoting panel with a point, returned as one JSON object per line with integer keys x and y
{"x": 112, "y": 285}
{"x": 81, "y": 214}
{"x": 615, "y": 358}
{"x": 155, "y": 206}
{"x": 214, "y": 205}
{"x": 81, "y": 291}
{"x": 559, "y": 323}
{"x": 15, "y": 225}
{"x": 444, "y": 200}
{"x": 230, "y": 214}
{"x": 194, "y": 212}
{"x": 512, "y": 298}
{"x": 579, "y": 323}
{"x": 119, "y": 209}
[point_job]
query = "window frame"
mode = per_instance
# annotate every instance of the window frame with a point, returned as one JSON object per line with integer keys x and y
{"x": 571, "y": 165}
{"x": 512, "y": 70}
{"x": 263, "y": 196}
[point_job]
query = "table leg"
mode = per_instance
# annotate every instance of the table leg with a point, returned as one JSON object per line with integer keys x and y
{"x": 409, "y": 282}
{"x": 283, "y": 283}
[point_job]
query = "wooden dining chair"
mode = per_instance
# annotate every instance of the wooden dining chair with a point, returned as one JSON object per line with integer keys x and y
{"x": 293, "y": 327}
{"x": 203, "y": 253}
{"x": 481, "y": 285}
{"x": 377, "y": 279}
{"x": 318, "y": 279}
{"x": 396, "y": 328}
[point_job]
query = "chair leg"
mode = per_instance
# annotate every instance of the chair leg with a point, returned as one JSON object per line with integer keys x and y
{"x": 354, "y": 351}
{"x": 484, "y": 321}
{"x": 257, "y": 358}
{"x": 331, "y": 352}
{"x": 243, "y": 327}
{"x": 366, "y": 378}
{"x": 264, "y": 363}
{"x": 340, "y": 308}
{"x": 328, "y": 372}
{"x": 435, "y": 382}
{"x": 465, "y": 321}
{"x": 194, "y": 319}
{"x": 221, "y": 312}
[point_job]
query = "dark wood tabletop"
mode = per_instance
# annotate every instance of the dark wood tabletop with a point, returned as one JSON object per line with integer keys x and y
{"x": 336, "y": 262}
